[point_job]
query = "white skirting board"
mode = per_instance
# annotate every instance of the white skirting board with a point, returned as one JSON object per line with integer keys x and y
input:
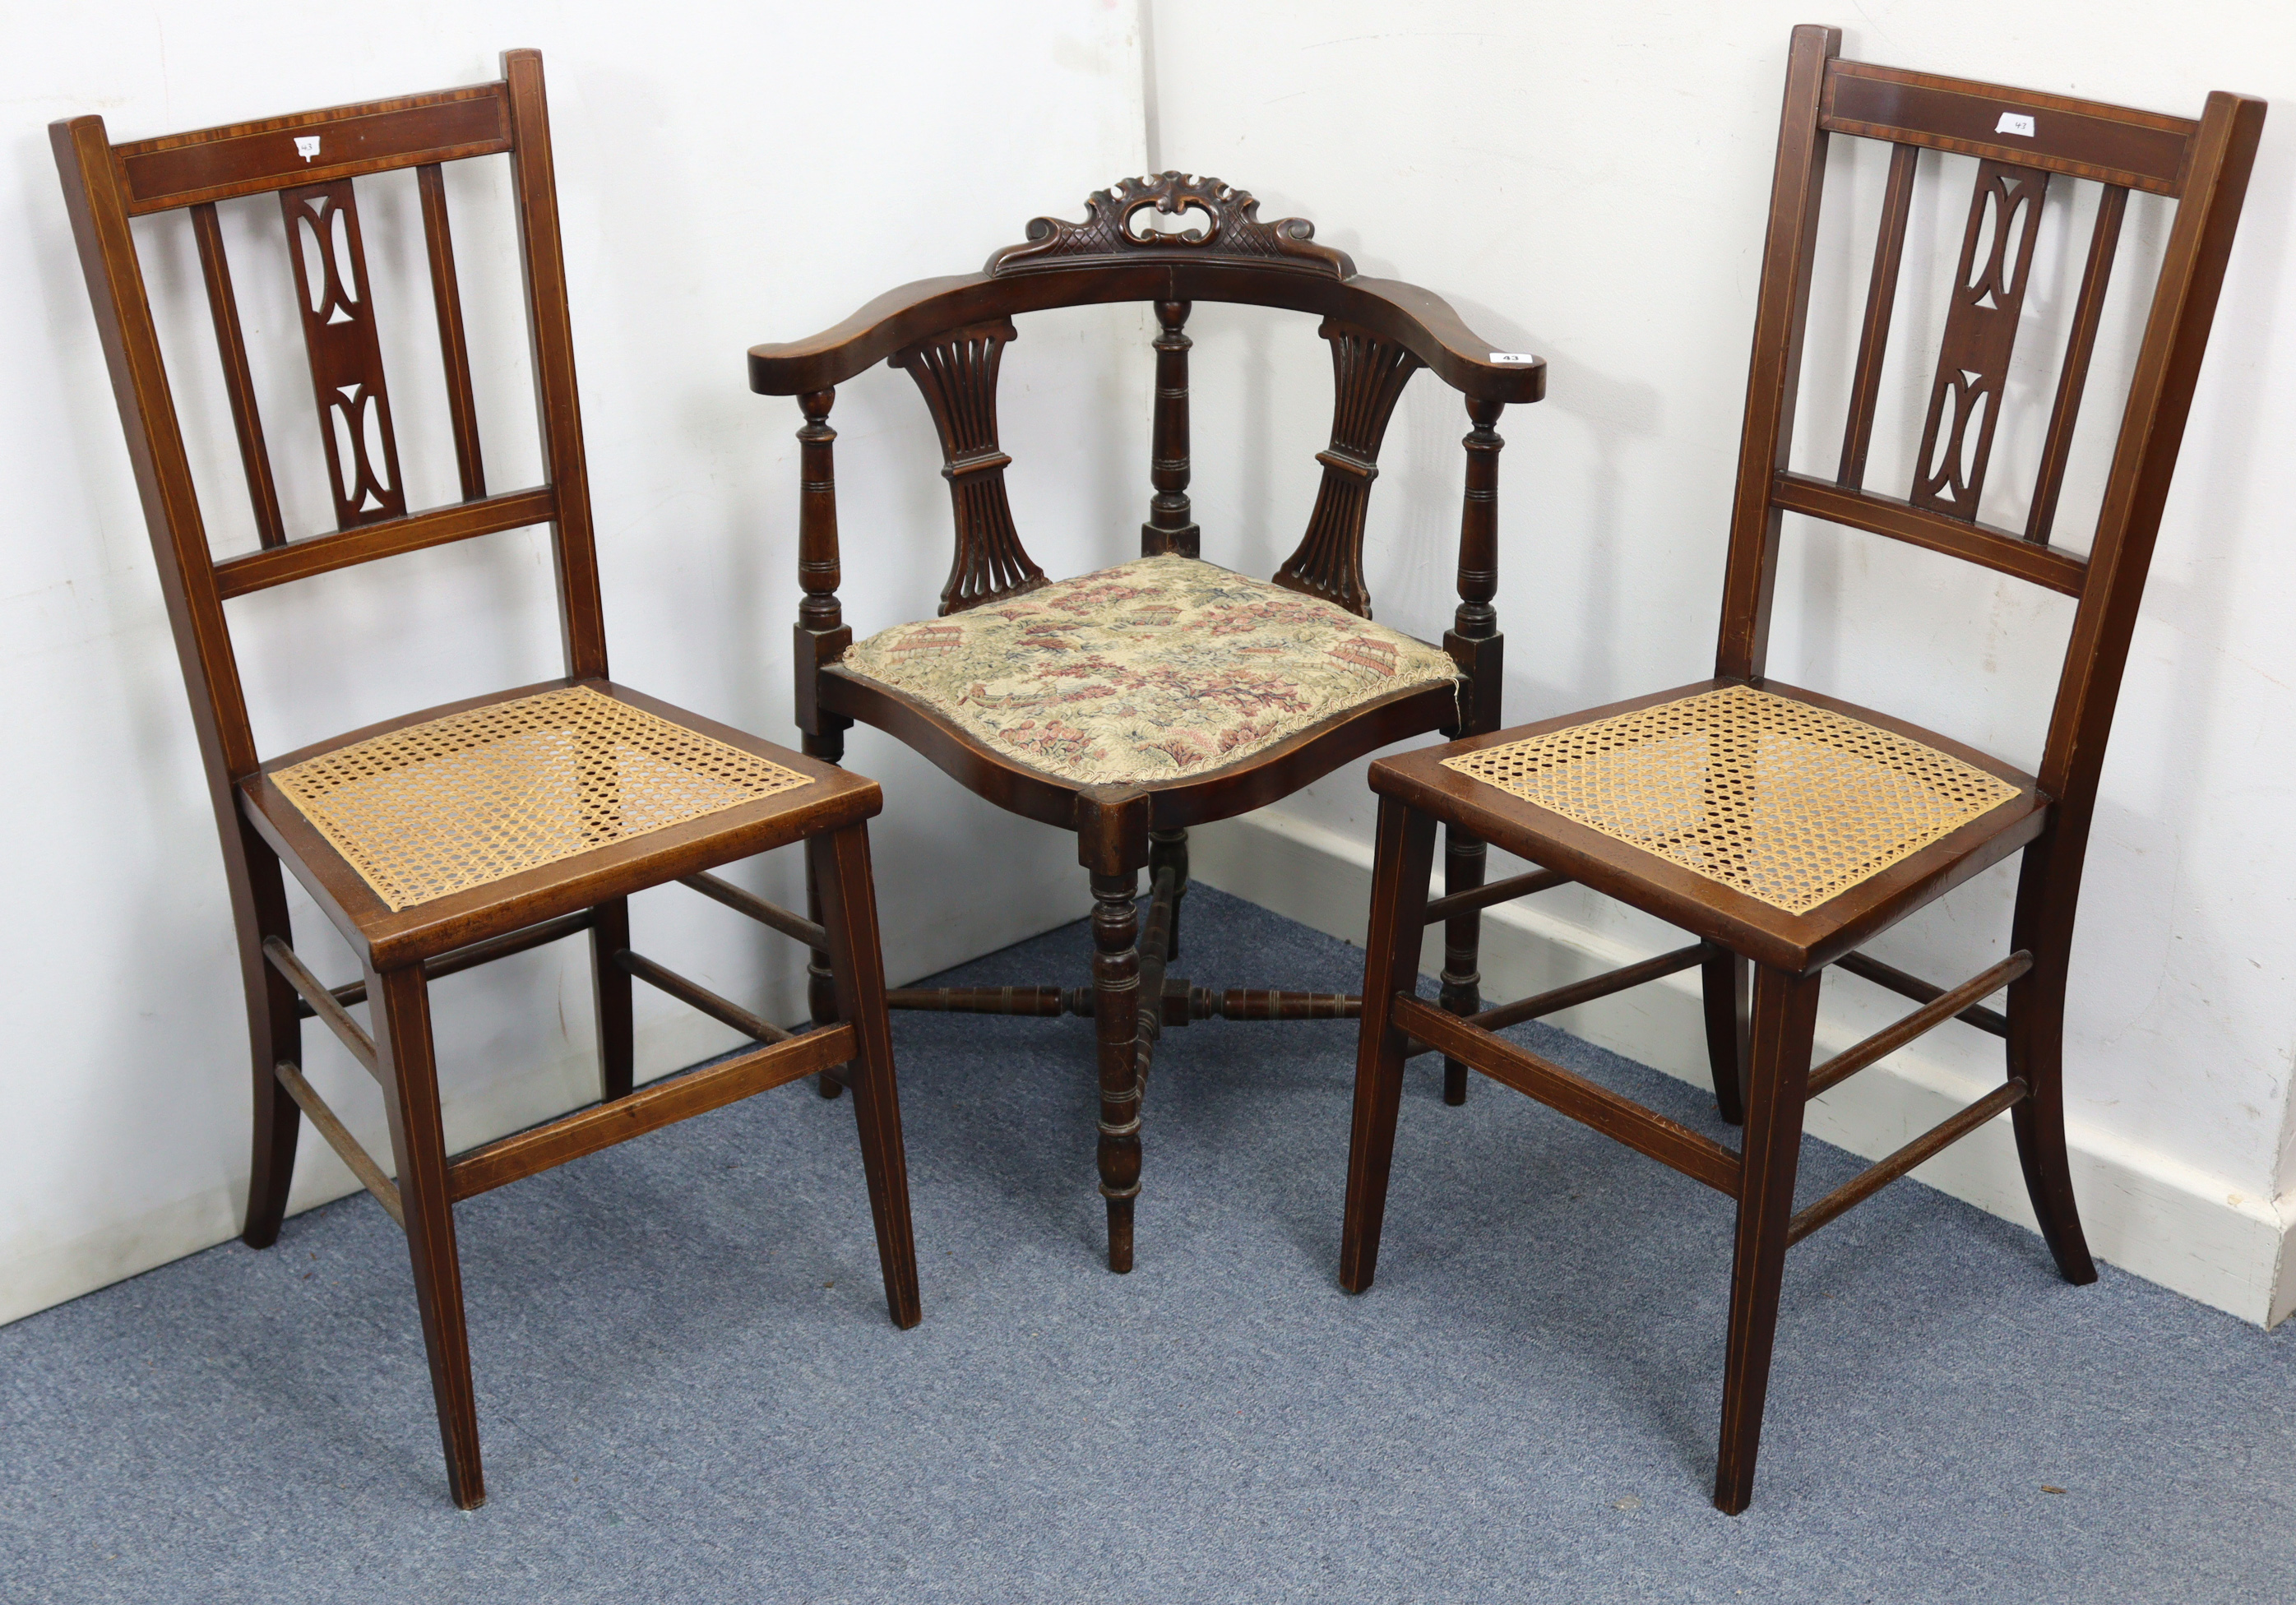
{"x": 2148, "y": 1214}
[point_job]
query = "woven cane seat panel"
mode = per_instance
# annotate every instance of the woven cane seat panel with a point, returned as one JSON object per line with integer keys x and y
{"x": 1789, "y": 804}
{"x": 477, "y": 796}
{"x": 1150, "y": 671}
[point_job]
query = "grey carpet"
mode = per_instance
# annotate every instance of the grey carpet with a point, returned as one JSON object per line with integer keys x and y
{"x": 688, "y": 1388}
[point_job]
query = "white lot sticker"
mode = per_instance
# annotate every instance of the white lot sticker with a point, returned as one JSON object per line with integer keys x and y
{"x": 2015, "y": 122}
{"x": 306, "y": 145}
{"x": 1518, "y": 358}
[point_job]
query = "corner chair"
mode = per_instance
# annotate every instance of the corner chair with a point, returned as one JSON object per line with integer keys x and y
{"x": 1133, "y": 703}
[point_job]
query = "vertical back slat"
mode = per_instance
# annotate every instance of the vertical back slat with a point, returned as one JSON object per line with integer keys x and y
{"x": 2080, "y": 345}
{"x": 329, "y": 255}
{"x": 1880, "y": 301}
{"x": 461, "y": 408}
{"x": 556, "y": 399}
{"x": 238, "y": 382}
{"x": 1781, "y": 315}
{"x": 1981, "y": 331}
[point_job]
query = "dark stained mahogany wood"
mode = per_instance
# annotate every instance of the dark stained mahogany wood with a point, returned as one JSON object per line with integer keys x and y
{"x": 650, "y": 1108}
{"x": 1890, "y": 1038}
{"x": 438, "y": 526}
{"x": 1761, "y": 967}
{"x": 239, "y": 382}
{"x": 1171, "y": 241}
{"x": 2080, "y": 346}
{"x": 725, "y": 1011}
{"x": 1169, "y": 527}
{"x": 339, "y": 333}
{"x": 1921, "y": 991}
{"x": 338, "y": 1137}
{"x": 1497, "y": 891}
{"x": 453, "y": 346}
{"x": 1867, "y": 1183}
{"x": 1980, "y": 331}
{"x": 310, "y": 161}
{"x": 345, "y": 142}
{"x": 957, "y": 375}
{"x": 1880, "y": 302}
{"x": 1368, "y": 379}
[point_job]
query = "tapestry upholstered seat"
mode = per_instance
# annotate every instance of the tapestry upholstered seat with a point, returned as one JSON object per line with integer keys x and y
{"x": 1156, "y": 670}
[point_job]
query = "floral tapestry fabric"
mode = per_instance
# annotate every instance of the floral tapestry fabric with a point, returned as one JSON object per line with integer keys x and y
{"x": 1153, "y": 670}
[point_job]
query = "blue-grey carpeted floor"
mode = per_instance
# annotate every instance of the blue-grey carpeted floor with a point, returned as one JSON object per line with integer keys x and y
{"x": 689, "y": 1390}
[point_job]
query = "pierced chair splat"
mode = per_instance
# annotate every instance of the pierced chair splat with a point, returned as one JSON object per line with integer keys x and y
{"x": 458, "y": 835}
{"x": 1130, "y": 704}
{"x": 1781, "y": 830}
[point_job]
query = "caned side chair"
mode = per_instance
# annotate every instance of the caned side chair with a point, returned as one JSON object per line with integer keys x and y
{"x": 1782, "y": 829}
{"x": 1129, "y": 704}
{"x": 459, "y": 834}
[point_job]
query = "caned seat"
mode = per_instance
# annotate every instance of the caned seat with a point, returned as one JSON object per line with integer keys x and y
{"x": 454, "y": 836}
{"x": 1782, "y": 829}
{"x": 1158, "y": 670}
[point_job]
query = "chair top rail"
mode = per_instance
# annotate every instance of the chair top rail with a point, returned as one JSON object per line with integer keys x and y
{"x": 1415, "y": 318}
{"x": 313, "y": 147}
{"x": 2055, "y": 133}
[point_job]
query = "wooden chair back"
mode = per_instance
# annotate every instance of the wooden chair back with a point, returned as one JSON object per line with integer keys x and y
{"x": 309, "y": 161}
{"x": 1172, "y": 240}
{"x": 2024, "y": 143}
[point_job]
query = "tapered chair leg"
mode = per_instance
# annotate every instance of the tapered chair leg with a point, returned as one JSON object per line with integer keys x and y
{"x": 2036, "y": 1036}
{"x": 275, "y": 1032}
{"x": 1726, "y": 981}
{"x": 1785, "y": 1020}
{"x": 1116, "y": 986}
{"x": 610, "y": 934}
{"x": 820, "y": 983}
{"x": 1463, "y": 859}
{"x": 1398, "y": 914}
{"x": 400, "y": 1013}
{"x": 839, "y": 863}
{"x": 1169, "y": 849}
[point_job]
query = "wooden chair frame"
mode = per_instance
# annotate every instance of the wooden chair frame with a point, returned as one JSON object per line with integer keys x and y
{"x": 949, "y": 333}
{"x": 310, "y": 161}
{"x": 1760, "y": 1024}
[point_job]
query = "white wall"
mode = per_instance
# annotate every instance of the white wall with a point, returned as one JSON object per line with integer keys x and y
{"x": 1584, "y": 181}
{"x": 1590, "y": 182}
{"x": 728, "y": 174}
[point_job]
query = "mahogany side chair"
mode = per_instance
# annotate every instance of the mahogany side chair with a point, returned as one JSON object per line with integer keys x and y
{"x": 1782, "y": 829}
{"x": 1129, "y": 704}
{"x": 459, "y": 834}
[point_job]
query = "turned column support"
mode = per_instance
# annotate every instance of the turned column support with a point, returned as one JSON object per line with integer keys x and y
{"x": 1170, "y": 528}
{"x": 821, "y": 637}
{"x": 1477, "y": 647}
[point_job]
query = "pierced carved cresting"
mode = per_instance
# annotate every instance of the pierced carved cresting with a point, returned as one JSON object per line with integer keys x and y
{"x": 1210, "y": 219}
{"x": 957, "y": 373}
{"x": 338, "y": 335}
{"x": 1981, "y": 329}
{"x": 1368, "y": 379}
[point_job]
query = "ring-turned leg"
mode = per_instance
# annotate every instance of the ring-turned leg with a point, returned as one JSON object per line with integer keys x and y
{"x": 1726, "y": 981}
{"x": 839, "y": 863}
{"x": 1116, "y": 986}
{"x": 1464, "y": 858}
{"x": 1784, "y": 1019}
{"x": 1398, "y": 916}
{"x": 400, "y": 1013}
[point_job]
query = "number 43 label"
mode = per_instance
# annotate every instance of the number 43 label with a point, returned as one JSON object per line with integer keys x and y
{"x": 1519, "y": 359}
